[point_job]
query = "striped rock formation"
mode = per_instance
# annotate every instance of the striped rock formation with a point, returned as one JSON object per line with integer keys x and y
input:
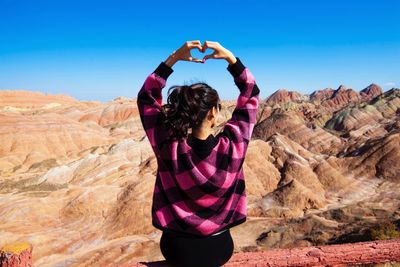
{"x": 76, "y": 177}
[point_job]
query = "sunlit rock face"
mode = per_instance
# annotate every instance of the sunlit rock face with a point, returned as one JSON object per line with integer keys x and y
{"x": 77, "y": 177}
{"x": 283, "y": 96}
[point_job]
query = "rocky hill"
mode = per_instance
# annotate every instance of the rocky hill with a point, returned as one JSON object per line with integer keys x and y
{"x": 76, "y": 177}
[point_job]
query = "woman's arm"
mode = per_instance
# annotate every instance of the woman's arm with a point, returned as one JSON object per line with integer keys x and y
{"x": 239, "y": 128}
{"x": 149, "y": 98}
{"x": 149, "y": 101}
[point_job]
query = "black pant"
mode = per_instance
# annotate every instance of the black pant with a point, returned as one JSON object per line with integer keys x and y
{"x": 184, "y": 251}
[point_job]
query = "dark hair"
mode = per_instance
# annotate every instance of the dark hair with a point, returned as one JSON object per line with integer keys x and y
{"x": 187, "y": 106}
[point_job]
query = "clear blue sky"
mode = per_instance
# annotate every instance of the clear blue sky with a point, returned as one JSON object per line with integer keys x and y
{"x": 99, "y": 50}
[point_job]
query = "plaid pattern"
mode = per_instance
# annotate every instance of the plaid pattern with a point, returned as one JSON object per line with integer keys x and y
{"x": 199, "y": 191}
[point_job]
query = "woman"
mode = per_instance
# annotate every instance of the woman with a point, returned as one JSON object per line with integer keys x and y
{"x": 199, "y": 191}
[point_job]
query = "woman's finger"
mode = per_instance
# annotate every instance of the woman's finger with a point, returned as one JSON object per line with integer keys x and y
{"x": 198, "y": 46}
{"x": 213, "y": 45}
{"x": 205, "y": 46}
{"x": 192, "y": 44}
{"x": 209, "y": 44}
{"x": 208, "y": 56}
{"x": 192, "y": 59}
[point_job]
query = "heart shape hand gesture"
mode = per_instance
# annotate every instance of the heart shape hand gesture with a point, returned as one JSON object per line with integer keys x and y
{"x": 183, "y": 53}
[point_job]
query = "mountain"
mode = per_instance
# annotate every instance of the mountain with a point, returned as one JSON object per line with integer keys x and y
{"x": 76, "y": 177}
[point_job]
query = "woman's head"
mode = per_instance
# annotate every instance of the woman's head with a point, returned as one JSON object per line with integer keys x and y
{"x": 191, "y": 106}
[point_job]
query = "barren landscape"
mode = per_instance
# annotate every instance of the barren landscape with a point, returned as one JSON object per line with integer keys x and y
{"x": 77, "y": 177}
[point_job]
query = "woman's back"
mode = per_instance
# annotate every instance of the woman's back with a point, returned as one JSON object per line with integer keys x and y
{"x": 200, "y": 187}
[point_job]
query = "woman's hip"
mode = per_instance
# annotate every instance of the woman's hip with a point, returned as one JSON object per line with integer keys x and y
{"x": 214, "y": 250}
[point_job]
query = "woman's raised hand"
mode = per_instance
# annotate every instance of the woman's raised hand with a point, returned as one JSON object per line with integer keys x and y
{"x": 183, "y": 53}
{"x": 220, "y": 52}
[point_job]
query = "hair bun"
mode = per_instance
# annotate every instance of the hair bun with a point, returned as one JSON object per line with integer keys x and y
{"x": 187, "y": 106}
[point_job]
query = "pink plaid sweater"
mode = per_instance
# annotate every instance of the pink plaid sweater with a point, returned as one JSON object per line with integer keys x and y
{"x": 200, "y": 186}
